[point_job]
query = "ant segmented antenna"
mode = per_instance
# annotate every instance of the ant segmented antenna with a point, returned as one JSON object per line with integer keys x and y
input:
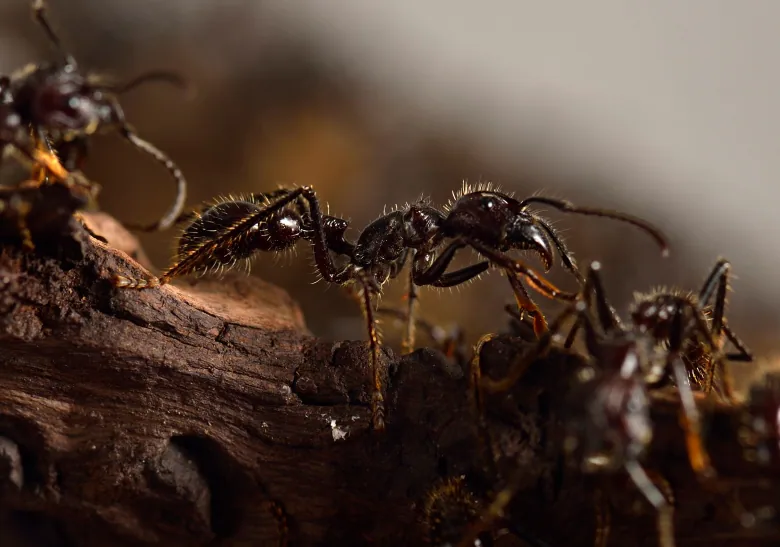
{"x": 169, "y": 218}
{"x": 39, "y": 13}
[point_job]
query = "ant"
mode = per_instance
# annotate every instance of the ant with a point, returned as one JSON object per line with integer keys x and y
{"x": 493, "y": 223}
{"x": 451, "y": 506}
{"x": 703, "y": 328}
{"x": 489, "y": 222}
{"x": 63, "y": 107}
{"x": 608, "y": 426}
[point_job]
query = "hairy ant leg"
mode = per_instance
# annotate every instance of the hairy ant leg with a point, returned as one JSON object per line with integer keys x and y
{"x": 718, "y": 283}
{"x": 663, "y": 503}
{"x": 450, "y": 343}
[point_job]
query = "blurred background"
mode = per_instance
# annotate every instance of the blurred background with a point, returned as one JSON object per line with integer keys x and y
{"x": 666, "y": 110}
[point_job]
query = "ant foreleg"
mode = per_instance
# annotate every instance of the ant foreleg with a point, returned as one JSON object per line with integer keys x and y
{"x": 525, "y": 304}
{"x": 534, "y": 279}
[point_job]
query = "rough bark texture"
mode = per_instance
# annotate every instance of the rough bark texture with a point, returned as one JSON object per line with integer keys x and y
{"x": 176, "y": 416}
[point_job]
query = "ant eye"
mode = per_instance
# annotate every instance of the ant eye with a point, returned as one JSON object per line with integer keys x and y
{"x": 488, "y": 202}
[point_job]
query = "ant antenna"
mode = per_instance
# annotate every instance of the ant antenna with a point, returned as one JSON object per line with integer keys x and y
{"x": 39, "y": 13}
{"x": 569, "y": 207}
{"x": 181, "y": 183}
{"x": 165, "y": 76}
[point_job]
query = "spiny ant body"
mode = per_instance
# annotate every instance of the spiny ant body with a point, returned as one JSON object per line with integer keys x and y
{"x": 63, "y": 107}
{"x": 418, "y": 233}
{"x": 703, "y": 325}
{"x": 448, "y": 509}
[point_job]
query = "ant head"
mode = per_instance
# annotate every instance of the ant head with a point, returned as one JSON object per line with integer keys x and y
{"x": 499, "y": 221}
{"x": 66, "y": 103}
{"x": 655, "y": 313}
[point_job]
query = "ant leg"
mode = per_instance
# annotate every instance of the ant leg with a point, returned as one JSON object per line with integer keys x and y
{"x": 535, "y": 279}
{"x": 653, "y": 494}
{"x": 603, "y": 519}
{"x": 689, "y": 417}
{"x": 89, "y": 230}
{"x": 39, "y": 13}
{"x": 568, "y": 207}
{"x": 280, "y": 515}
{"x": 22, "y": 208}
{"x": 522, "y": 362}
{"x": 477, "y": 397}
{"x": 377, "y": 397}
{"x": 525, "y": 304}
{"x": 743, "y": 353}
{"x": 449, "y": 343}
{"x": 408, "y": 342}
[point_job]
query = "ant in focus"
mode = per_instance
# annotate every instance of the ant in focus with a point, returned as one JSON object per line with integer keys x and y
{"x": 489, "y": 222}
{"x": 63, "y": 107}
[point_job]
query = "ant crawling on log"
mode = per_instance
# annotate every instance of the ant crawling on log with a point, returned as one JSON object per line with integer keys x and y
{"x": 63, "y": 107}
{"x": 489, "y": 222}
{"x": 493, "y": 223}
{"x": 608, "y": 424}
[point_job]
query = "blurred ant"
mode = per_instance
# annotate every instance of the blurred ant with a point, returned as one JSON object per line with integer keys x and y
{"x": 489, "y": 222}
{"x": 703, "y": 328}
{"x": 608, "y": 426}
{"x": 451, "y": 506}
{"x": 63, "y": 107}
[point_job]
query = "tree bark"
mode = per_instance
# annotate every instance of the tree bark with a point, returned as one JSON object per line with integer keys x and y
{"x": 205, "y": 413}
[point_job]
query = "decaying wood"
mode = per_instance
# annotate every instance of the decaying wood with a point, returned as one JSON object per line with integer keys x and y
{"x": 176, "y": 416}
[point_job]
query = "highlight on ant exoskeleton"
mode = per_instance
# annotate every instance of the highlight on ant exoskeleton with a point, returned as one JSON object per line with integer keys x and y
{"x": 419, "y": 234}
{"x": 61, "y": 107}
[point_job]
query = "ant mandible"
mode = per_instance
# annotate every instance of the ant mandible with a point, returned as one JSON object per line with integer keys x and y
{"x": 63, "y": 107}
{"x": 608, "y": 421}
{"x": 489, "y": 222}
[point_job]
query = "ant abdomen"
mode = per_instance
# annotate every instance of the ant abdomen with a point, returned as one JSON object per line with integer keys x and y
{"x": 278, "y": 232}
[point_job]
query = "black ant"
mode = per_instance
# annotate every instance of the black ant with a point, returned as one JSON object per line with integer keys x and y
{"x": 63, "y": 107}
{"x": 704, "y": 327}
{"x": 489, "y": 222}
{"x": 493, "y": 223}
{"x": 608, "y": 426}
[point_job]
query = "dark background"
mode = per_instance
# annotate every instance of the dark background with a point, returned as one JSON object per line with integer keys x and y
{"x": 276, "y": 105}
